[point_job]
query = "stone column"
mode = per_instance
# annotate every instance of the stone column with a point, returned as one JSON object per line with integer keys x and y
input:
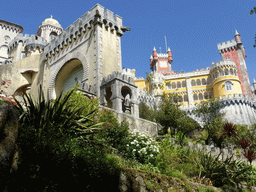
{"x": 18, "y": 51}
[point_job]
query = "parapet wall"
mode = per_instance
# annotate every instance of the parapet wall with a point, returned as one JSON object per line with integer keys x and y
{"x": 227, "y": 45}
{"x": 142, "y": 125}
{"x": 95, "y": 15}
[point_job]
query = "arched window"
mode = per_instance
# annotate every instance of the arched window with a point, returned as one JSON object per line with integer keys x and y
{"x": 185, "y": 98}
{"x": 217, "y": 74}
{"x": 205, "y": 95}
{"x": 221, "y": 72}
{"x": 201, "y": 96}
{"x": 198, "y": 82}
{"x": 226, "y": 72}
{"x": 235, "y": 73}
{"x": 231, "y": 72}
{"x": 193, "y": 82}
{"x": 178, "y": 84}
{"x": 203, "y": 81}
{"x": 183, "y": 84}
{"x": 228, "y": 85}
{"x": 173, "y": 85}
{"x": 195, "y": 97}
{"x": 53, "y": 35}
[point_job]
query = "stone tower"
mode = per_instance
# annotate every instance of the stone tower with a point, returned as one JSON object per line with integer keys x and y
{"x": 161, "y": 63}
{"x": 49, "y": 29}
{"x": 235, "y": 51}
{"x": 8, "y": 31}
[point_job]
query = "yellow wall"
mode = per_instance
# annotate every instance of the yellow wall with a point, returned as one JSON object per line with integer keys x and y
{"x": 141, "y": 84}
{"x": 219, "y": 87}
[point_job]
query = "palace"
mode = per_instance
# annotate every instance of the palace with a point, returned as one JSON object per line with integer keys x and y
{"x": 226, "y": 79}
{"x": 89, "y": 52}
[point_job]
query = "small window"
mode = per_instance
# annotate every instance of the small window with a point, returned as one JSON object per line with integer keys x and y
{"x": 228, "y": 86}
{"x": 193, "y": 82}
{"x": 195, "y": 97}
{"x": 173, "y": 85}
{"x": 183, "y": 84}
{"x": 178, "y": 84}
{"x": 198, "y": 82}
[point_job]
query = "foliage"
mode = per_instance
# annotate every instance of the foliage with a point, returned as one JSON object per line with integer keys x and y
{"x": 220, "y": 172}
{"x": 212, "y": 118}
{"x": 174, "y": 160}
{"x": 149, "y": 77}
{"x": 146, "y": 112}
{"x": 169, "y": 113}
{"x": 112, "y": 133}
{"x": 45, "y": 116}
{"x": 141, "y": 148}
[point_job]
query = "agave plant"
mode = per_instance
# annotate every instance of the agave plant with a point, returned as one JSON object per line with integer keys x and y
{"x": 220, "y": 172}
{"x": 229, "y": 129}
{"x": 56, "y": 115}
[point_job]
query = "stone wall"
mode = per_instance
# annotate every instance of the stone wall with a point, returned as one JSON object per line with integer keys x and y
{"x": 142, "y": 125}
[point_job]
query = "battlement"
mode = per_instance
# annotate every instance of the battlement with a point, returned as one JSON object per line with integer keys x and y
{"x": 118, "y": 75}
{"x": 182, "y": 74}
{"x": 162, "y": 55}
{"x": 11, "y": 26}
{"x": 139, "y": 78}
{"x": 219, "y": 64}
{"x": 95, "y": 15}
{"x": 34, "y": 42}
{"x": 226, "y": 45}
{"x": 128, "y": 72}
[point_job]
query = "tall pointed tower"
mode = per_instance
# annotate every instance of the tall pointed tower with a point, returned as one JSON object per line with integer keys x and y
{"x": 161, "y": 63}
{"x": 235, "y": 51}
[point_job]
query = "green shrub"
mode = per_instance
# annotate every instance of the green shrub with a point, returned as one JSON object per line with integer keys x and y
{"x": 112, "y": 133}
{"x": 172, "y": 159}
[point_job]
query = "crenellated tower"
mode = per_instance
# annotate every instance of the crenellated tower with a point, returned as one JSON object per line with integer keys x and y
{"x": 161, "y": 63}
{"x": 235, "y": 51}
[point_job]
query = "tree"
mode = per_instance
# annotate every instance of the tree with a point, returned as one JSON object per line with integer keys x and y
{"x": 212, "y": 118}
{"x": 169, "y": 115}
{"x": 252, "y": 12}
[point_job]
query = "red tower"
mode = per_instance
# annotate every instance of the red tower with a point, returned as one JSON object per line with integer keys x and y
{"x": 161, "y": 63}
{"x": 235, "y": 51}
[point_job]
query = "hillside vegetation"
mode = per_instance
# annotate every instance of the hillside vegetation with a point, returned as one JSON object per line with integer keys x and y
{"x": 70, "y": 145}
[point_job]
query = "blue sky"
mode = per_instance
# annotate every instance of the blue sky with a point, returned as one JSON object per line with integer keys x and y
{"x": 193, "y": 28}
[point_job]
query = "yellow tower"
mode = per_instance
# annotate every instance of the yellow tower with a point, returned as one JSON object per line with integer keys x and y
{"x": 225, "y": 79}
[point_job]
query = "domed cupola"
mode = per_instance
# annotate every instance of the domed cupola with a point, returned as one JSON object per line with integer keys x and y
{"x": 225, "y": 79}
{"x": 49, "y": 29}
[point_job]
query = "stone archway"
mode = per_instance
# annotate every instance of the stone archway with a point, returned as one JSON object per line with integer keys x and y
{"x": 71, "y": 64}
{"x": 70, "y": 74}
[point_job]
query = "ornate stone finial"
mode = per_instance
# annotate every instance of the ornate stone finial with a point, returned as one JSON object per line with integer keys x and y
{"x": 169, "y": 49}
{"x": 212, "y": 63}
{"x": 236, "y": 33}
{"x": 151, "y": 57}
{"x": 254, "y": 81}
{"x": 154, "y": 49}
{"x": 51, "y": 16}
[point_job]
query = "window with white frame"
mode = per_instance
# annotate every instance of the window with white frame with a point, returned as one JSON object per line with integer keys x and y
{"x": 228, "y": 85}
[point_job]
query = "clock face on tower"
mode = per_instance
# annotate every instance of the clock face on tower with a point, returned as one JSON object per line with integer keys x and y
{"x": 163, "y": 64}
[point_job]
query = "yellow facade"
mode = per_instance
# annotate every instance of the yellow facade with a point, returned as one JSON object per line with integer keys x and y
{"x": 221, "y": 80}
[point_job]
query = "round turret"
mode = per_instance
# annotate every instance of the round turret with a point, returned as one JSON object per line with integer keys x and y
{"x": 49, "y": 29}
{"x": 225, "y": 79}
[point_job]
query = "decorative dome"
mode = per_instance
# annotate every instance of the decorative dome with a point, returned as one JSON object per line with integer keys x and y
{"x": 51, "y": 21}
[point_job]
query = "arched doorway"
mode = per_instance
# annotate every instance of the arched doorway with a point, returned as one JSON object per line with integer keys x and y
{"x": 70, "y": 74}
